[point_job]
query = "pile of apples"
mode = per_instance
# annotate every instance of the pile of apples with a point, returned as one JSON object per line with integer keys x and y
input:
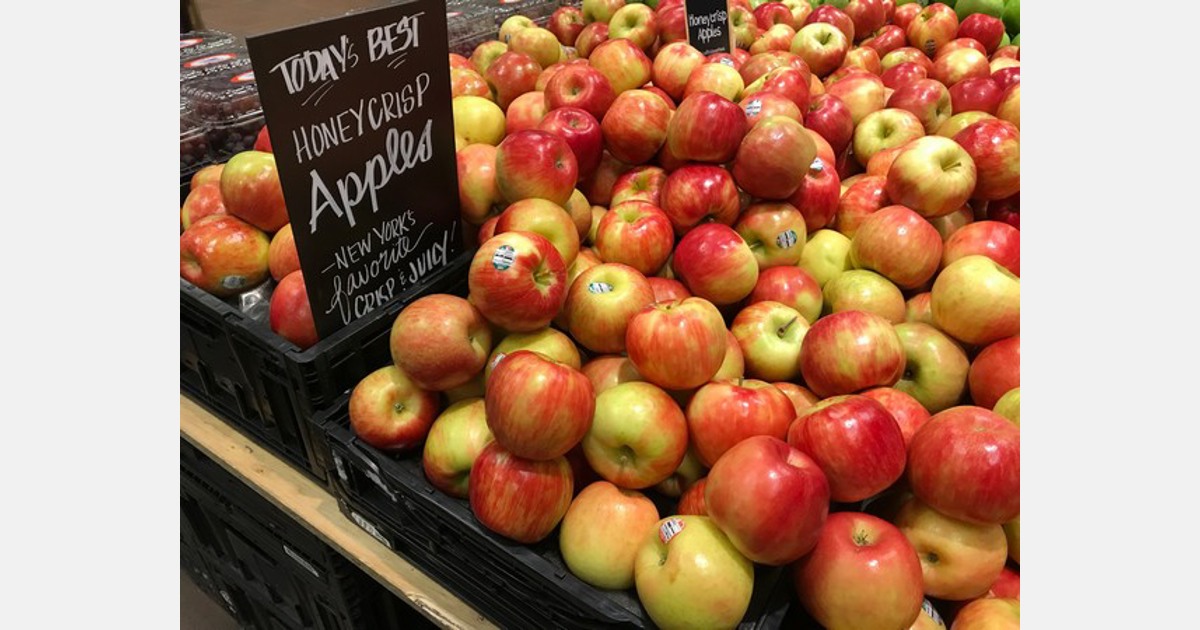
{"x": 780, "y": 284}
{"x": 235, "y": 236}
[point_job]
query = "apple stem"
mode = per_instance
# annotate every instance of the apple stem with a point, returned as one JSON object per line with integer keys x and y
{"x": 784, "y": 328}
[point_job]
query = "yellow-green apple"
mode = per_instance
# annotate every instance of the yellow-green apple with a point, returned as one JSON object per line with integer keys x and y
{"x": 959, "y": 560}
{"x": 635, "y": 233}
{"x": 282, "y": 257}
{"x": 539, "y": 43}
{"x": 677, "y": 345}
{"x": 600, "y": 10}
{"x": 692, "y": 499}
{"x": 602, "y": 532}
{"x": 566, "y": 22}
{"x": 535, "y": 163}
{"x": 885, "y": 39}
{"x": 822, "y": 46}
{"x": 477, "y": 120}
{"x": 860, "y": 200}
{"x": 1009, "y": 406}
{"x": 706, "y": 127}
{"x": 769, "y": 14}
{"x": 1009, "y": 108}
{"x": 862, "y": 92}
{"x": 826, "y": 255}
{"x": 689, "y": 575}
{"x": 906, "y": 410}
{"x": 766, "y": 104}
{"x": 769, "y": 335}
{"x": 985, "y": 29}
{"x": 800, "y": 10}
{"x": 817, "y": 196}
{"x": 960, "y": 121}
{"x": 855, "y": 441}
{"x": 456, "y": 438}
{"x": 590, "y": 37}
{"x": 902, "y": 74}
{"x": 635, "y": 22}
{"x": 547, "y": 341}
{"x": 673, "y": 65}
{"x": 538, "y": 408}
{"x": 582, "y": 86}
{"x": 666, "y": 289}
{"x": 829, "y": 14}
{"x": 512, "y": 25}
{"x": 715, "y": 263}
{"x": 440, "y": 341}
{"x": 898, "y": 244}
{"x": 598, "y": 187}
{"x": 690, "y": 472}
{"x": 862, "y": 574}
{"x": 905, "y": 54}
{"x": 1006, "y": 78}
{"x": 962, "y": 63}
{"x": 995, "y": 371}
{"x": 601, "y": 302}
{"x": 989, "y": 613}
{"x": 743, "y": 26}
{"x": 391, "y": 412}
{"x": 582, "y": 133}
{"x": 622, "y": 62}
{"x": 717, "y": 78}
{"x": 775, "y": 232}
{"x": 769, "y": 498}
{"x": 723, "y": 413}
{"x": 202, "y": 201}
{"x": 635, "y": 126}
{"x": 928, "y": 100}
{"x": 885, "y": 129}
{"x": 936, "y": 366}
{"x": 976, "y": 94}
{"x": 518, "y": 281}
{"x": 478, "y": 193}
{"x": 697, "y": 193}
{"x": 999, "y": 241}
{"x": 850, "y": 351}
{"x": 546, "y": 219}
{"x": 863, "y": 290}
{"x": 580, "y": 210}
{"x": 518, "y": 498}
{"x": 933, "y": 176}
{"x": 511, "y": 75}
{"x": 977, "y": 301}
{"x": 471, "y": 389}
{"x": 224, "y": 255}
{"x": 995, "y": 148}
{"x": 932, "y": 28}
{"x": 290, "y": 314}
{"x": 775, "y": 37}
{"x": 732, "y": 366}
{"x": 210, "y": 174}
{"x": 525, "y": 112}
{"x": 773, "y": 158}
{"x": 966, "y": 463}
{"x": 638, "y": 436}
{"x": 791, "y": 286}
{"x": 251, "y": 191}
{"x": 904, "y": 13}
{"x": 643, "y": 183}
{"x": 608, "y": 371}
{"x": 1012, "y": 531}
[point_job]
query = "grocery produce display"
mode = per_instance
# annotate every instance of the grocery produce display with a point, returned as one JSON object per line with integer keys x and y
{"x": 728, "y": 314}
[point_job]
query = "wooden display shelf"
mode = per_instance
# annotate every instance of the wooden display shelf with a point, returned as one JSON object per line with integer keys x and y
{"x": 313, "y": 506}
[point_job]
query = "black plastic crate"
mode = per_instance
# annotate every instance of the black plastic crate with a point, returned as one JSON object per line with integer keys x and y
{"x": 269, "y": 388}
{"x": 515, "y": 585}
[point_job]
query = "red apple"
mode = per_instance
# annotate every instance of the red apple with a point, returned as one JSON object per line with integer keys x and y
{"x": 525, "y": 112}
{"x": 518, "y": 281}
{"x": 282, "y": 257}
{"x": 862, "y": 92}
{"x": 679, "y": 344}
{"x": 566, "y": 23}
{"x": 899, "y": 244}
{"x": 672, "y": 23}
{"x": 608, "y": 371}
{"x": 203, "y": 201}
{"x": 995, "y": 371}
{"x": 535, "y": 163}
{"x": 210, "y": 174}
{"x": 862, "y": 573}
{"x": 817, "y": 197}
{"x": 554, "y": 344}
{"x": 581, "y": 132}
{"x": 829, "y": 116}
{"x": 600, "y": 10}
{"x": 905, "y": 54}
{"x": 792, "y": 286}
{"x": 830, "y": 14}
{"x": 715, "y": 263}
{"x": 441, "y": 341}
{"x": 772, "y": 160}
{"x": 511, "y": 75}
{"x": 602, "y": 301}
{"x": 959, "y": 64}
{"x": 1009, "y": 108}
{"x": 856, "y": 442}
{"x": 635, "y": 126}
{"x": 725, "y": 412}
{"x": 850, "y": 351}
{"x": 699, "y": 192}
{"x": 863, "y": 198}
{"x": 478, "y": 193}
{"x": 223, "y": 255}
{"x": 966, "y": 463}
{"x": 538, "y": 408}
{"x": 995, "y": 148}
{"x": 638, "y": 436}
{"x": 598, "y": 188}
{"x": 546, "y": 219}
{"x": 743, "y": 25}
{"x": 582, "y": 86}
{"x": 908, "y": 412}
{"x": 770, "y": 499}
{"x": 706, "y": 127}
{"x": 519, "y": 498}
{"x": 902, "y": 74}
{"x": 643, "y": 183}
{"x": 590, "y": 37}
{"x": 775, "y": 232}
{"x": 666, "y": 289}
{"x": 821, "y": 45}
{"x": 692, "y": 499}
{"x": 905, "y": 13}
{"x": 759, "y": 64}
{"x": 251, "y": 191}
{"x": 932, "y": 28}
{"x": 983, "y": 28}
{"x": 769, "y": 14}
{"x": 389, "y": 411}
{"x": 622, "y": 62}
{"x": 635, "y": 233}
{"x": 673, "y": 65}
{"x": 989, "y": 613}
{"x": 469, "y": 83}
{"x": 290, "y": 313}
{"x": 976, "y": 94}
{"x": 763, "y": 105}
{"x": 999, "y": 241}
{"x": 1006, "y": 77}
{"x": 717, "y": 78}
{"x": 865, "y": 58}
{"x": 927, "y": 99}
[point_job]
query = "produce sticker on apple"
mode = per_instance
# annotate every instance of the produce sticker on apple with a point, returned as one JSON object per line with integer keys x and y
{"x": 363, "y": 134}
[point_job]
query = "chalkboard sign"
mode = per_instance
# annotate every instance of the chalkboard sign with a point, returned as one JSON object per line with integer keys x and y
{"x": 708, "y": 26}
{"x": 363, "y": 135}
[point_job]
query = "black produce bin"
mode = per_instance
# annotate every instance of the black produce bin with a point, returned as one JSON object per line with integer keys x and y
{"x": 274, "y": 572}
{"x": 514, "y": 585}
{"x": 269, "y": 388}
